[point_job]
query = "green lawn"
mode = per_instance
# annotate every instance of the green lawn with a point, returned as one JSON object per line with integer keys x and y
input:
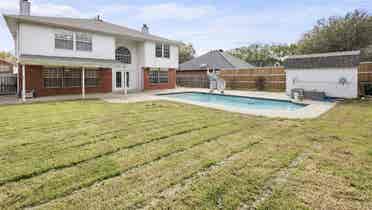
{"x": 153, "y": 155}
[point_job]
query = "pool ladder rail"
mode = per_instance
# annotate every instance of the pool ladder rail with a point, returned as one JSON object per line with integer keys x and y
{"x": 216, "y": 83}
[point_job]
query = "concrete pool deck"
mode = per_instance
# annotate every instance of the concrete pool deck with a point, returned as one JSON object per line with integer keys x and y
{"x": 313, "y": 109}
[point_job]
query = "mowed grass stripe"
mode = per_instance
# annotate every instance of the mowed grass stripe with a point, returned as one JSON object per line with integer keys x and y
{"x": 26, "y": 169}
{"x": 237, "y": 181}
{"x": 137, "y": 185}
{"x": 63, "y": 122}
{"x": 86, "y": 136}
{"x": 63, "y": 182}
{"x": 57, "y": 122}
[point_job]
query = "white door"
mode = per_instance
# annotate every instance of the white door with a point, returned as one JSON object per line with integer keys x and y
{"x": 119, "y": 78}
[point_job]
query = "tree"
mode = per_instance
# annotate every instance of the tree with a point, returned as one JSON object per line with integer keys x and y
{"x": 351, "y": 32}
{"x": 7, "y": 56}
{"x": 264, "y": 54}
{"x": 187, "y": 52}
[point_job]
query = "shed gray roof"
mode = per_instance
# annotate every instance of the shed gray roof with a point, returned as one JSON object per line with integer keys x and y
{"x": 215, "y": 59}
{"x": 324, "y": 60}
{"x": 86, "y": 25}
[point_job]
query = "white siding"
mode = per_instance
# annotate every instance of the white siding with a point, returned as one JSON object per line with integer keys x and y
{"x": 150, "y": 60}
{"x": 133, "y": 68}
{"x": 39, "y": 40}
{"x": 326, "y": 80}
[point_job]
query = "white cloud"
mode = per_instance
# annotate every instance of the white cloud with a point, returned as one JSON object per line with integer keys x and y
{"x": 55, "y": 10}
{"x": 159, "y": 12}
{"x": 42, "y": 9}
{"x": 169, "y": 11}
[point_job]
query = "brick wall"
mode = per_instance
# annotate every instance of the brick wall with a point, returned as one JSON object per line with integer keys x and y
{"x": 34, "y": 80}
{"x": 150, "y": 86}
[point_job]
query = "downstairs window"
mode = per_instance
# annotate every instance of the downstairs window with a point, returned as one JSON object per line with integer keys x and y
{"x": 158, "y": 76}
{"x": 69, "y": 78}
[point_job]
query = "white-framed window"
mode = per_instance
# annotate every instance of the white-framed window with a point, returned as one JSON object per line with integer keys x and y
{"x": 91, "y": 78}
{"x": 162, "y": 50}
{"x": 158, "y": 76}
{"x": 166, "y": 51}
{"x": 123, "y": 55}
{"x": 53, "y": 77}
{"x": 64, "y": 40}
{"x": 83, "y": 42}
{"x": 71, "y": 78}
{"x": 159, "y": 50}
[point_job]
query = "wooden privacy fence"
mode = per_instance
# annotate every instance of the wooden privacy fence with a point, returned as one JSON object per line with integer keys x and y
{"x": 365, "y": 78}
{"x": 196, "y": 79}
{"x": 8, "y": 84}
{"x": 265, "y": 78}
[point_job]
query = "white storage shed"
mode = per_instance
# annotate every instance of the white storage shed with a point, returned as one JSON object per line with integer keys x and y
{"x": 335, "y": 74}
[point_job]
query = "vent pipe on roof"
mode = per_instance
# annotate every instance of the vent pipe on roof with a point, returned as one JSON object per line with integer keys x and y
{"x": 24, "y": 7}
{"x": 145, "y": 29}
{"x": 98, "y": 18}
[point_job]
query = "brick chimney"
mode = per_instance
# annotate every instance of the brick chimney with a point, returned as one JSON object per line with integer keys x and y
{"x": 24, "y": 7}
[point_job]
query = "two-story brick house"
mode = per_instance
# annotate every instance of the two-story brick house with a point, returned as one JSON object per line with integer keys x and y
{"x": 72, "y": 56}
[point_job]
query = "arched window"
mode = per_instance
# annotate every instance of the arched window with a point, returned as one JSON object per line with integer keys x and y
{"x": 123, "y": 55}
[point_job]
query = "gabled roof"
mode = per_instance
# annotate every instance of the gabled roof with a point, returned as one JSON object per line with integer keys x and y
{"x": 215, "y": 59}
{"x": 346, "y": 59}
{"x": 92, "y": 25}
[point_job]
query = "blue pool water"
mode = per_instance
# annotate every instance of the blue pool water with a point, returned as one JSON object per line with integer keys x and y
{"x": 237, "y": 101}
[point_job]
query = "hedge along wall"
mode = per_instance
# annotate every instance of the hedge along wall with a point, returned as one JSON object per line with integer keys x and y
{"x": 364, "y": 76}
{"x": 272, "y": 78}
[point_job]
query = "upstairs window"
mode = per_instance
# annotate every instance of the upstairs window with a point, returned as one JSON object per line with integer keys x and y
{"x": 64, "y": 40}
{"x": 123, "y": 55}
{"x": 162, "y": 50}
{"x": 159, "y": 50}
{"x": 83, "y": 42}
{"x": 166, "y": 51}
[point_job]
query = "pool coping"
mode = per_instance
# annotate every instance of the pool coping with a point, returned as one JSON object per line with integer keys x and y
{"x": 237, "y": 96}
{"x": 313, "y": 109}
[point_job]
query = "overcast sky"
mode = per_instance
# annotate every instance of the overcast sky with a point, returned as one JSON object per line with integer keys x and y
{"x": 206, "y": 24}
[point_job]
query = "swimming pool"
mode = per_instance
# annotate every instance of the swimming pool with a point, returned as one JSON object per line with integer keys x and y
{"x": 236, "y": 101}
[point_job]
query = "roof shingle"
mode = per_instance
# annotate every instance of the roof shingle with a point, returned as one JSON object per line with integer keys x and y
{"x": 216, "y": 60}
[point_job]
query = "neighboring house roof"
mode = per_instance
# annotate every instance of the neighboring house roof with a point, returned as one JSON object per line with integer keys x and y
{"x": 346, "y": 59}
{"x": 5, "y": 62}
{"x": 216, "y": 59}
{"x": 68, "y": 61}
{"x": 5, "y": 66}
{"x": 92, "y": 25}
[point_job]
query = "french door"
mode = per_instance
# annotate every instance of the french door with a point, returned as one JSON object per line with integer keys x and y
{"x": 122, "y": 78}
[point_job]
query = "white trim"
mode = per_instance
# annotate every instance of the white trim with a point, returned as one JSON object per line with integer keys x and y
{"x": 324, "y": 54}
{"x": 83, "y": 82}
{"x": 23, "y": 82}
